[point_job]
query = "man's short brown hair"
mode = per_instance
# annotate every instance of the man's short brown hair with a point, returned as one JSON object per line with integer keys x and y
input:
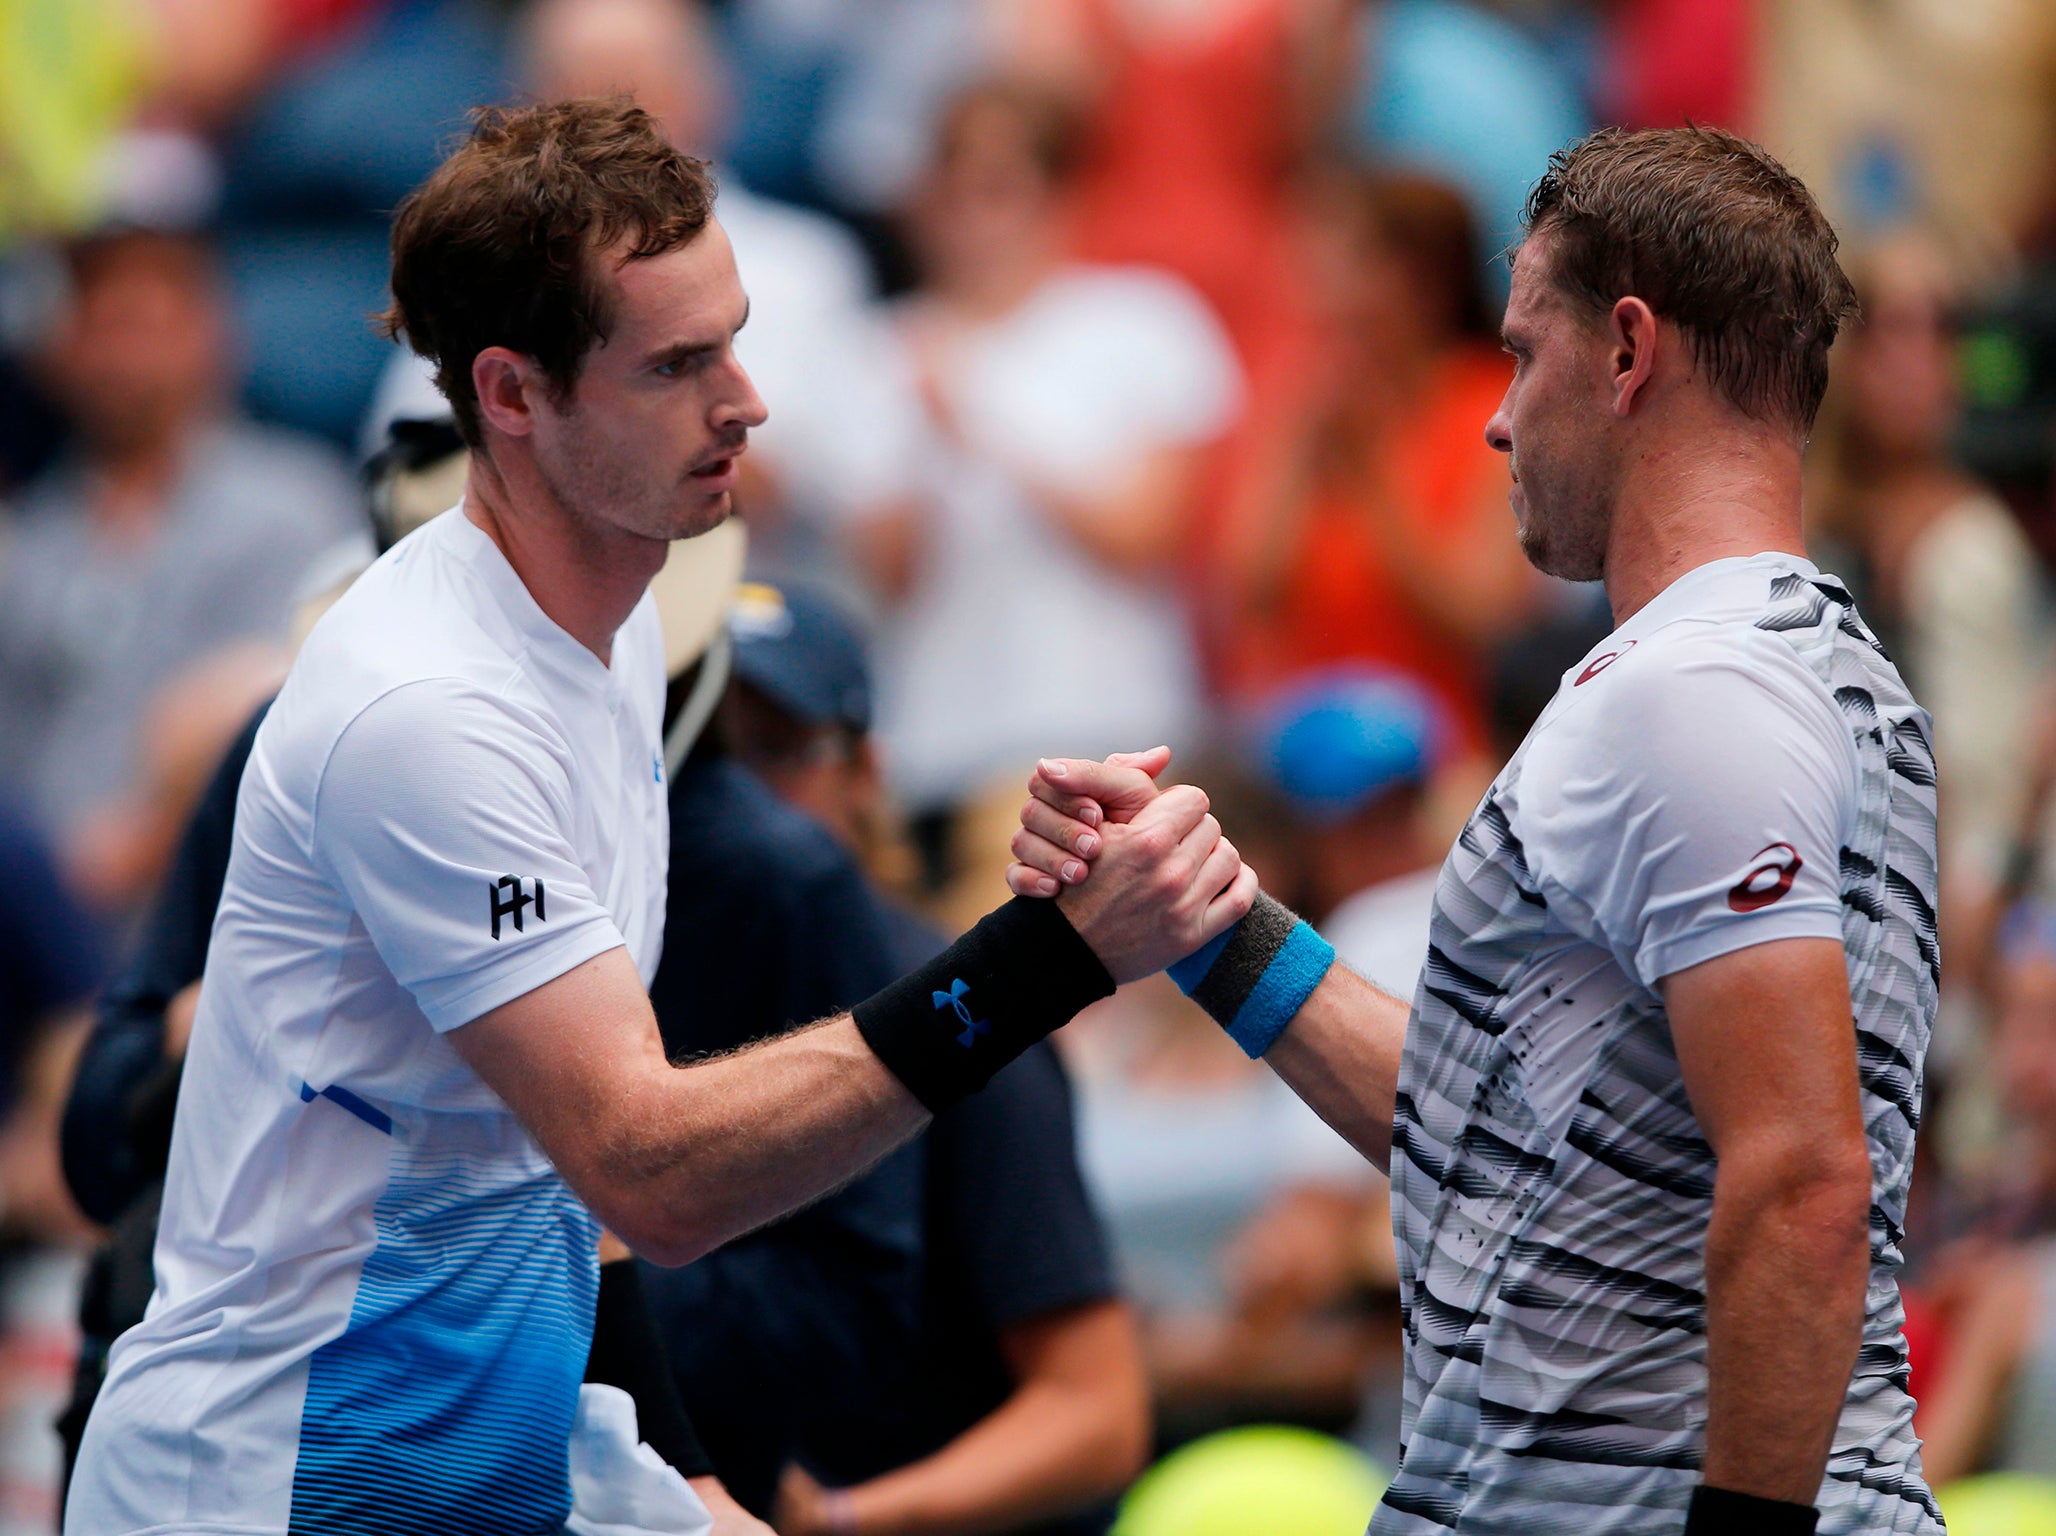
{"x": 1715, "y": 236}
{"x": 497, "y": 247}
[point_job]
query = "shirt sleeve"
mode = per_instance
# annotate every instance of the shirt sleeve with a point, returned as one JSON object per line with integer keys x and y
{"x": 444, "y": 815}
{"x": 1697, "y": 804}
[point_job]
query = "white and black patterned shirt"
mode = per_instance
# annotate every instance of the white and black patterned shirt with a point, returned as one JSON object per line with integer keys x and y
{"x": 1739, "y": 762}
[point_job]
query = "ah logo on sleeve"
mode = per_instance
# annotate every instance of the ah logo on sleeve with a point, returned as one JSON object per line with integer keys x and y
{"x": 508, "y": 897}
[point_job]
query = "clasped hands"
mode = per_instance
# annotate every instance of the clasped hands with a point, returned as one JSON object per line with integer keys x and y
{"x": 1163, "y": 880}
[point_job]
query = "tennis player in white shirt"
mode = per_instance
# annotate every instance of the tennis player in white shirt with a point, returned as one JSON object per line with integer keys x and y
{"x": 424, "y": 1067}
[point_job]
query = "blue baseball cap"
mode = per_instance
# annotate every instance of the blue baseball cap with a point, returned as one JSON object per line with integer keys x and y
{"x": 1334, "y": 742}
{"x": 802, "y": 647}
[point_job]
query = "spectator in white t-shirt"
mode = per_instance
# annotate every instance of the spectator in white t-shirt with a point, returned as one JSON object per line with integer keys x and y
{"x": 1069, "y": 406}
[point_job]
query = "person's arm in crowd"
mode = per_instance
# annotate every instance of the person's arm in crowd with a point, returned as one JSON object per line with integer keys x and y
{"x": 887, "y": 543}
{"x": 2001, "y": 1321}
{"x": 34, "y": 1201}
{"x": 1020, "y": 1259}
{"x": 1768, "y": 1056}
{"x": 1135, "y": 523}
{"x": 1468, "y": 577}
{"x": 138, "y": 1038}
{"x": 678, "y": 1160}
{"x": 1341, "y": 1051}
{"x": 49, "y": 967}
{"x": 1270, "y": 501}
{"x": 1131, "y": 519}
{"x": 1074, "y": 1431}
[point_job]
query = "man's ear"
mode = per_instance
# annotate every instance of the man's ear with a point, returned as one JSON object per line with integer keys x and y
{"x": 1632, "y": 332}
{"x": 507, "y": 383}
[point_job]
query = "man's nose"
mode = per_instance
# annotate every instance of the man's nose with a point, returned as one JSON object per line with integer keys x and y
{"x": 1499, "y": 431}
{"x": 744, "y": 407}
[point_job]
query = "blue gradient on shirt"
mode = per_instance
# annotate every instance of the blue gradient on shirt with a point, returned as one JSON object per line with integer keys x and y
{"x": 446, "y": 1405}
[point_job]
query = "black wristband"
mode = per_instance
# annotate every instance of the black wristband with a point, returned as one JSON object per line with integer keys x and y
{"x": 628, "y": 1353}
{"x": 1723, "y": 1512}
{"x": 946, "y": 1028}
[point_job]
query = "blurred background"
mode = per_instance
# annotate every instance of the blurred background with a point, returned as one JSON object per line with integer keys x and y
{"x": 1158, "y": 329}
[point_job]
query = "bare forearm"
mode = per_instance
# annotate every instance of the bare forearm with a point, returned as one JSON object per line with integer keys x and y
{"x": 1341, "y": 1054}
{"x": 1786, "y": 1272}
{"x": 1134, "y": 526}
{"x": 719, "y": 1147}
{"x": 1053, "y": 1447}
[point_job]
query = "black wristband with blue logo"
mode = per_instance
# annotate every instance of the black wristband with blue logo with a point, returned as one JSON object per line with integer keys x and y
{"x": 1021, "y": 973}
{"x": 1723, "y": 1512}
{"x": 1257, "y": 975}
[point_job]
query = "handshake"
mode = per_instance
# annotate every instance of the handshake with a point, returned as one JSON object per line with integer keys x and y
{"x": 1143, "y": 874}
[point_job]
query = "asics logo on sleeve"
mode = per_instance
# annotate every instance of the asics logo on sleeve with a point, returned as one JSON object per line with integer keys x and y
{"x": 1776, "y": 868}
{"x": 1600, "y": 663}
{"x": 954, "y": 998}
{"x": 507, "y": 897}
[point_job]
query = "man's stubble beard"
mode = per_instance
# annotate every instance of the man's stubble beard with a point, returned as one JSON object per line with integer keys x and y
{"x": 604, "y": 498}
{"x": 1568, "y": 540}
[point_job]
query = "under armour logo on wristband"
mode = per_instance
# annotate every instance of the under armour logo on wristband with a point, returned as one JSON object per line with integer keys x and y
{"x": 954, "y": 998}
{"x": 517, "y": 900}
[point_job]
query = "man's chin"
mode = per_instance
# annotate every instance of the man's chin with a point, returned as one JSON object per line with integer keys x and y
{"x": 707, "y": 515}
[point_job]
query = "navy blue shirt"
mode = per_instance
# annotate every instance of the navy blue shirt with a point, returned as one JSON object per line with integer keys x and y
{"x": 49, "y": 949}
{"x": 117, "y": 1123}
{"x": 863, "y": 1333}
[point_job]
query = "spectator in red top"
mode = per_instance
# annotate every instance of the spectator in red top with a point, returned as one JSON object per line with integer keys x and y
{"x": 1370, "y": 522}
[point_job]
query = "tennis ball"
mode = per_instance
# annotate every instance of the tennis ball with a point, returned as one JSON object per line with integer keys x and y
{"x": 1999, "y": 1504}
{"x": 1267, "y": 1480}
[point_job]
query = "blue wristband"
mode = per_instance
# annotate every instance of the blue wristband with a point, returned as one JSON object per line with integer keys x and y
{"x": 1257, "y": 975}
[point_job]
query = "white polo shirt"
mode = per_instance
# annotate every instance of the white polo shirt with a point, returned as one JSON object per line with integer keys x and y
{"x": 374, "y": 1294}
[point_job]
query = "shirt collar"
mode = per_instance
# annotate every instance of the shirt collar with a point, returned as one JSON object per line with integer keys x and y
{"x": 545, "y": 636}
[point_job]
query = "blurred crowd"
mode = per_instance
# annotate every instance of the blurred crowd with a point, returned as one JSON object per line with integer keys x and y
{"x": 1162, "y": 331}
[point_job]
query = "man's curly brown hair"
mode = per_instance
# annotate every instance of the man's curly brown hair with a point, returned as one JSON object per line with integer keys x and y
{"x": 499, "y": 247}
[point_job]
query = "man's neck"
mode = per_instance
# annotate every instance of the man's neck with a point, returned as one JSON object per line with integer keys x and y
{"x": 1729, "y": 494}
{"x": 587, "y": 579}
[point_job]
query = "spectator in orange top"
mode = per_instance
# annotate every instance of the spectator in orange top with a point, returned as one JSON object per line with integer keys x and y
{"x": 1370, "y": 523}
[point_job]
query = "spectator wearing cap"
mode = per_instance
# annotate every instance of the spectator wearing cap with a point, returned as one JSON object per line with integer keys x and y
{"x": 171, "y": 529}
{"x": 1351, "y": 751}
{"x": 939, "y": 1347}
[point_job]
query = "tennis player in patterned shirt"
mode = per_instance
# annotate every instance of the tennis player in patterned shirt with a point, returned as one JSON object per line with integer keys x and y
{"x": 1650, "y": 1117}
